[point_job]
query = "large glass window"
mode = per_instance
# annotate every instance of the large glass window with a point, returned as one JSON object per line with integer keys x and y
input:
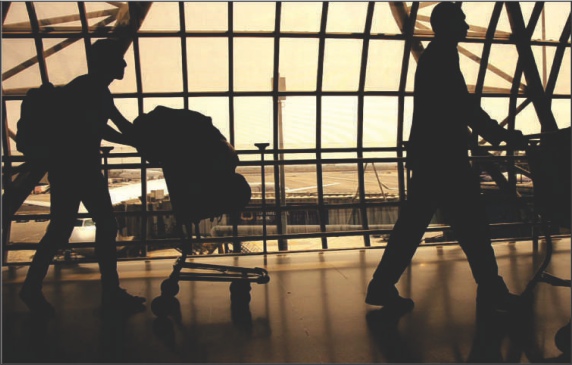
{"x": 340, "y": 117}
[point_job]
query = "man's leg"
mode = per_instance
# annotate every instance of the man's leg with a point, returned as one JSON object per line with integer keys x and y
{"x": 64, "y": 204}
{"x": 403, "y": 241}
{"x": 466, "y": 213}
{"x": 98, "y": 203}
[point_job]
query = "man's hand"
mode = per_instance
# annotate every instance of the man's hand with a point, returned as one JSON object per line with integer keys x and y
{"x": 516, "y": 140}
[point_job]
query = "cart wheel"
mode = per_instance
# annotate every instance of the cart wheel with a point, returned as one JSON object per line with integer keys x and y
{"x": 169, "y": 287}
{"x": 240, "y": 291}
{"x": 163, "y": 305}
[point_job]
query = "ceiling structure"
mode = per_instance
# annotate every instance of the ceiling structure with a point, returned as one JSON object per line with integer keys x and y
{"x": 515, "y": 52}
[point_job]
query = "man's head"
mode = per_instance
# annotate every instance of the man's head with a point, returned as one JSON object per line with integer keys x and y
{"x": 105, "y": 57}
{"x": 448, "y": 21}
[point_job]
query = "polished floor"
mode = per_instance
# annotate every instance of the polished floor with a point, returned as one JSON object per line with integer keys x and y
{"x": 311, "y": 311}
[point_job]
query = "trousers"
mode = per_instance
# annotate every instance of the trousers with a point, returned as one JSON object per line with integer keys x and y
{"x": 68, "y": 188}
{"x": 456, "y": 192}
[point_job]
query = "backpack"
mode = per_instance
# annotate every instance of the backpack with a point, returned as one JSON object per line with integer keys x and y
{"x": 169, "y": 136}
{"x": 36, "y": 127}
{"x": 197, "y": 160}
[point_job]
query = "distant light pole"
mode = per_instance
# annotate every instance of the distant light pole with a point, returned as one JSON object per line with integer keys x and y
{"x": 282, "y": 243}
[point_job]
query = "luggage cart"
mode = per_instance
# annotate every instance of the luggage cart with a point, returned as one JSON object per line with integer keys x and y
{"x": 187, "y": 194}
{"x": 548, "y": 156}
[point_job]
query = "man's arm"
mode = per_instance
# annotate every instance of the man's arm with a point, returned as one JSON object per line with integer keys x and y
{"x": 113, "y": 136}
{"x": 481, "y": 123}
{"x": 125, "y": 136}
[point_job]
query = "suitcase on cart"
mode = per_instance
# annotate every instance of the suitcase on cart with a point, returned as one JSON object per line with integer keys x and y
{"x": 198, "y": 164}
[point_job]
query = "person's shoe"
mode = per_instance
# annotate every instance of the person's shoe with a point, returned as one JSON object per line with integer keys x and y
{"x": 386, "y": 296}
{"x": 36, "y": 302}
{"x": 119, "y": 299}
{"x": 496, "y": 297}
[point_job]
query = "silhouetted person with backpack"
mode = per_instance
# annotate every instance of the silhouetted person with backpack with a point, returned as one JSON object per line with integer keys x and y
{"x": 442, "y": 177}
{"x": 75, "y": 176}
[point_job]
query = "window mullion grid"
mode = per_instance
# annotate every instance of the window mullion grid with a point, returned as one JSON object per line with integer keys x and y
{"x": 7, "y": 169}
{"x": 84, "y": 29}
{"x": 231, "y": 93}
{"x": 319, "y": 86}
{"x": 38, "y": 41}
{"x": 558, "y": 57}
{"x": 139, "y": 83}
{"x": 534, "y": 83}
{"x": 184, "y": 55}
{"x": 407, "y": 49}
{"x": 361, "y": 169}
{"x": 277, "y": 131}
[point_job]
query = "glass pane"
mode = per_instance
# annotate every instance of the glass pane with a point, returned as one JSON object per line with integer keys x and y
{"x": 207, "y": 64}
{"x": 383, "y": 65}
{"x": 57, "y": 15}
{"x": 12, "y": 117}
{"x": 17, "y": 17}
{"x": 162, "y": 16}
{"x": 129, "y": 109}
{"x": 346, "y": 17}
{"x": 299, "y": 122}
{"x": 66, "y": 63}
{"x": 563, "y": 81}
{"x": 253, "y": 64}
{"x": 503, "y": 27}
{"x": 14, "y": 53}
{"x": 561, "y": 110}
{"x": 478, "y": 16}
{"x": 100, "y": 14}
{"x": 407, "y": 117}
{"x": 151, "y": 103}
{"x": 556, "y": 14}
{"x": 301, "y": 188}
{"x": 339, "y": 121}
{"x": 469, "y": 60}
{"x": 254, "y": 16}
{"x": 206, "y": 16}
{"x": 496, "y": 108}
{"x": 342, "y": 62}
{"x": 527, "y": 120}
{"x": 301, "y": 17}
{"x": 129, "y": 82}
{"x": 161, "y": 64}
{"x": 383, "y": 21}
{"x": 504, "y": 58}
{"x": 299, "y": 63}
{"x": 253, "y": 121}
{"x": 380, "y": 121}
{"x": 216, "y": 108}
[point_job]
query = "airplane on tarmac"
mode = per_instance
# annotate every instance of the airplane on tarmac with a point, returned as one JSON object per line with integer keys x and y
{"x": 84, "y": 230}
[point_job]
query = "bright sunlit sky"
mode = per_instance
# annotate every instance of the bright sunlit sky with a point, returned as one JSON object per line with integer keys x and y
{"x": 208, "y": 57}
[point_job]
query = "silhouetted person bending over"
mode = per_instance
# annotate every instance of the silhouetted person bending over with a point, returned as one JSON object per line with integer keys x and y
{"x": 442, "y": 177}
{"x": 75, "y": 176}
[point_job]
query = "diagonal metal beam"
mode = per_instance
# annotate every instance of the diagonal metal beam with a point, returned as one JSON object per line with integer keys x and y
{"x": 5, "y": 8}
{"x": 540, "y": 99}
{"x": 46, "y": 22}
{"x": 50, "y": 51}
{"x": 401, "y": 16}
{"x": 40, "y": 58}
{"x": 319, "y": 87}
{"x": 487, "y": 48}
{"x": 406, "y": 23}
{"x": 361, "y": 101}
{"x": 558, "y": 57}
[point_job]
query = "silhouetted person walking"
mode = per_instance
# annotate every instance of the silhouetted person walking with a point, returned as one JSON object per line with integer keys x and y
{"x": 442, "y": 177}
{"x": 74, "y": 172}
